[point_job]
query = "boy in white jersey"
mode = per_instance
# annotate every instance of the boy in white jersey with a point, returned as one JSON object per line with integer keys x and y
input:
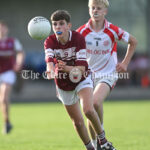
{"x": 101, "y": 36}
{"x": 11, "y": 60}
{"x": 65, "y": 53}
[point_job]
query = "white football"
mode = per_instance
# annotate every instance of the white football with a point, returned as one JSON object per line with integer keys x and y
{"x": 39, "y": 28}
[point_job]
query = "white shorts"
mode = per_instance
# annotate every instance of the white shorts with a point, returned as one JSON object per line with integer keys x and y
{"x": 8, "y": 77}
{"x": 71, "y": 97}
{"x": 110, "y": 79}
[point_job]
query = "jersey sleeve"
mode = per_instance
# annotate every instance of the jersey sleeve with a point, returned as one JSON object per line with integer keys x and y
{"x": 49, "y": 52}
{"x": 17, "y": 45}
{"x": 81, "y": 53}
{"x": 120, "y": 34}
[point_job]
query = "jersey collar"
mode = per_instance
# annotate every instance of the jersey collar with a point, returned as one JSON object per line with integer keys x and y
{"x": 70, "y": 36}
{"x": 88, "y": 24}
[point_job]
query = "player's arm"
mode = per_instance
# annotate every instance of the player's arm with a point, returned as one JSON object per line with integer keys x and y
{"x": 19, "y": 60}
{"x": 63, "y": 67}
{"x": 50, "y": 70}
{"x": 20, "y": 55}
{"x": 132, "y": 43}
{"x": 49, "y": 58}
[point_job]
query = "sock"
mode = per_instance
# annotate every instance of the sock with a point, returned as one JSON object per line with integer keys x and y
{"x": 94, "y": 142}
{"x": 102, "y": 126}
{"x": 89, "y": 146}
{"x": 102, "y": 138}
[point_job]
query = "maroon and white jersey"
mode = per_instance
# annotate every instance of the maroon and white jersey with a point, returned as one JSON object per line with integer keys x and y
{"x": 8, "y": 48}
{"x": 73, "y": 53}
{"x": 101, "y": 46}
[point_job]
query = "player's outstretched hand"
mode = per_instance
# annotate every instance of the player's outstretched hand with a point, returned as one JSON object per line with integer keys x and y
{"x": 61, "y": 65}
{"x": 50, "y": 75}
{"x": 121, "y": 67}
{"x": 17, "y": 67}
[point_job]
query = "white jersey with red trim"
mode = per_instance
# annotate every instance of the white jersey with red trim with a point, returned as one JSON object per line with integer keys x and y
{"x": 100, "y": 46}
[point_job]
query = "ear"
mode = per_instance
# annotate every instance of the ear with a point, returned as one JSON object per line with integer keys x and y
{"x": 69, "y": 26}
{"x": 89, "y": 11}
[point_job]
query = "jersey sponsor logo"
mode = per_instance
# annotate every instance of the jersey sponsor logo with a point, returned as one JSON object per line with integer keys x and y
{"x": 98, "y": 52}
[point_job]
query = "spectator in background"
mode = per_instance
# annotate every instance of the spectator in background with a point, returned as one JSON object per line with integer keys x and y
{"x": 140, "y": 70}
{"x": 11, "y": 61}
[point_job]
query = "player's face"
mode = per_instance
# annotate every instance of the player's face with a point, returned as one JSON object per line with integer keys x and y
{"x": 97, "y": 11}
{"x": 60, "y": 28}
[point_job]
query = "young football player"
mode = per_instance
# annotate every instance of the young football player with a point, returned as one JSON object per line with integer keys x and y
{"x": 101, "y": 37}
{"x": 65, "y": 53}
{"x": 11, "y": 60}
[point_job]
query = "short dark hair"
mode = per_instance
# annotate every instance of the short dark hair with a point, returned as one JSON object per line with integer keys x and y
{"x": 61, "y": 15}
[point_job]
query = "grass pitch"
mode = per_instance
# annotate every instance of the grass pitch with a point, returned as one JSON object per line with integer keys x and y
{"x": 46, "y": 126}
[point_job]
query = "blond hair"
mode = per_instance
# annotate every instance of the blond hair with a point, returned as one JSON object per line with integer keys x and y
{"x": 105, "y": 2}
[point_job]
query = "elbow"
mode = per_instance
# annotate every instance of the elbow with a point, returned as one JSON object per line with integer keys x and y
{"x": 133, "y": 41}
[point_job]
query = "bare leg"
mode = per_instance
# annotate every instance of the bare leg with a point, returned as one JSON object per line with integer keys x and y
{"x": 100, "y": 93}
{"x": 86, "y": 97}
{"x": 5, "y": 90}
{"x": 91, "y": 130}
{"x": 78, "y": 121}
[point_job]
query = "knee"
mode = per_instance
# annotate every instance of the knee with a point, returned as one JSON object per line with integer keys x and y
{"x": 78, "y": 123}
{"x": 3, "y": 100}
{"x": 97, "y": 103}
{"x": 89, "y": 113}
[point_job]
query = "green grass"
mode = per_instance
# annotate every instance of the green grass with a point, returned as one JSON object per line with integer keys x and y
{"x": 46, "y": 126}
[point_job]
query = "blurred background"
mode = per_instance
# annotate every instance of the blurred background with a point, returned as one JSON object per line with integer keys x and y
{"x": 133, "y": 16}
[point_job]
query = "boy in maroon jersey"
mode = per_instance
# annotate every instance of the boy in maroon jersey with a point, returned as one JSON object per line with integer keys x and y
{"x": 65, "y": 54}
{"x": 9, "y": 64}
